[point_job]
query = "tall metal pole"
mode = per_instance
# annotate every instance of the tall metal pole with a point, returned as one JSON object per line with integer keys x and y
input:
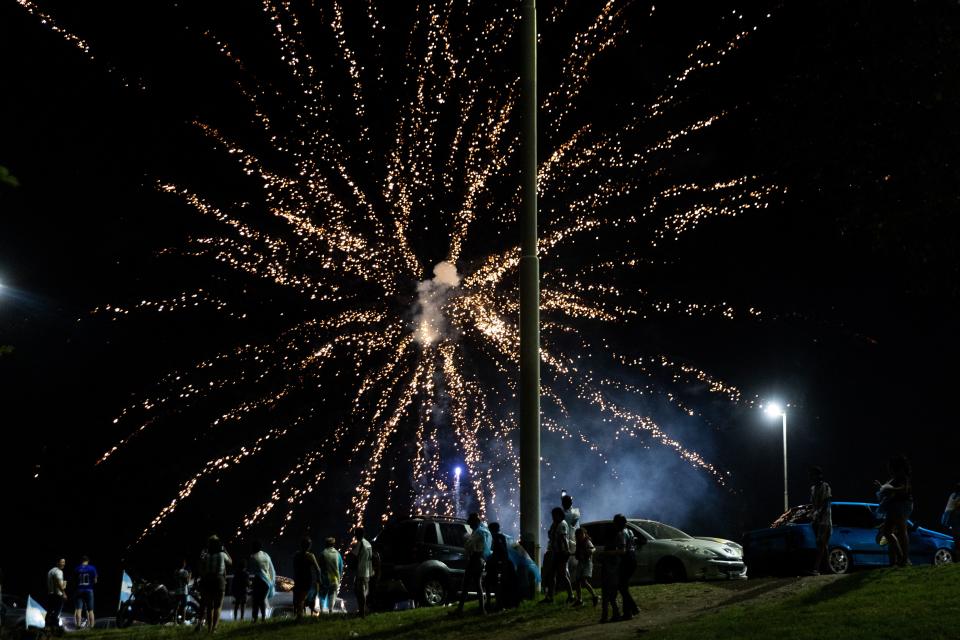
{"x": 786, "y": 499}
{"x": 529, "y": 293}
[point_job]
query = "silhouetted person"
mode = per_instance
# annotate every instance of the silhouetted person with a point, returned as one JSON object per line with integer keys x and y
{"x": 609, "y": 579}
{"x": 501, "y": 574}
{"x": 305, "y": 572}
{"x": 84, "y": 579}
{"x": 821, "y": 499}
{"x": 584, "y": 566}
{"x": 951, "y": 516}
{"x": 263, "y": 577}
{"x": 559, "y": 546}
{"x": 213, "y": 580}
{"x": 626, "y": 547}
{"x": 181, "y": 590}
{"x": 571, "y": 515}
{"x": 362, "y": 560}
{"x": 239, "y": 588}
{"x": 896, "y": 505}
{"x": 477, "y": 547}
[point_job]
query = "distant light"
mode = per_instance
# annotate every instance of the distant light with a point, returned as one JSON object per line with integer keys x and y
{"x": 457, "y": 471}
{"x": 773, "y": 410}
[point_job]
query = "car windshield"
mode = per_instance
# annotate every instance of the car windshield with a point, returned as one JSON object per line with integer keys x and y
{"x": 660, "y": 531}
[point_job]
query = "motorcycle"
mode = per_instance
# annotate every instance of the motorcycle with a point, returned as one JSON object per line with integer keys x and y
{"x": 152, "y": 603}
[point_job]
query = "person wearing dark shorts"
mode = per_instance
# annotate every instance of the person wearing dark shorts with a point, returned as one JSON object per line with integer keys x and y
{"x": 213, "y": 581}
{"x": 239, "y": 587}
{"x": 84, "y": 578}
{"x": 305, "y": 572}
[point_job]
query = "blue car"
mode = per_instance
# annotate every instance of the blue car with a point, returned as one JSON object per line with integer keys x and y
{"x": 789, "y": 544}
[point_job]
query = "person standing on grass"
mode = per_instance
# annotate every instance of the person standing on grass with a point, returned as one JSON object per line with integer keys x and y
{"x": 331, "y": 574}
{"x": 213, "y": 572}
{"x": 571, "y": 515}
{"x": 239, "y": 587}
{"x": 559, "y": 546}
{"x": 362, "y": 561}
{"x": 951, "y": 516}
{"x": 305, "y": 571}
{"x": 626, "y": 548}
{"x": 476, "y": 547}
{"x": 181, "y": 590}
{"x": 584, "y": 567}
{"x": 84, "y": 579}
{"x": 821, "y": 499}
{"x": 609, "y": 577}
{"x": 56, "y": 594}
{"x": 501, "y": 577}
{"x": 896, "y": 504}
{"x": 264, "y": 579}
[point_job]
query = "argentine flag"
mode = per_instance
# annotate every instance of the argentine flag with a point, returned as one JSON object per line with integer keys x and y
{"x": 36, "y": 615}
{"x": 126, "y": 589}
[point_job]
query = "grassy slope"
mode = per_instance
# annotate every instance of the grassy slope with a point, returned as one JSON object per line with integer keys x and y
{"x": 917, "y": 603}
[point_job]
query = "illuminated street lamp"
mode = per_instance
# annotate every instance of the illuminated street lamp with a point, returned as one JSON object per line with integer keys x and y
{"x": 773, "y": 410}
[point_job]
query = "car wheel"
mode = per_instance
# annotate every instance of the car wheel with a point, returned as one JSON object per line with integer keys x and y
{"x": 670, "y": 570}
{"x": 838, "y": 561}
{"x": 943, "y": 556}
{"x": 433, "y": 591}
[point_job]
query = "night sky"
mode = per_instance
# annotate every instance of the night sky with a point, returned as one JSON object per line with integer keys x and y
{"x": 852, "y": 107}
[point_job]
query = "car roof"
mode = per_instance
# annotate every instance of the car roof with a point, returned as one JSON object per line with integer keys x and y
{"x": 420, "y": 518}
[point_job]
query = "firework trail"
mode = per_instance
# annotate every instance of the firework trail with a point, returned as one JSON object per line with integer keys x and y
{"x": 423, "y": 340}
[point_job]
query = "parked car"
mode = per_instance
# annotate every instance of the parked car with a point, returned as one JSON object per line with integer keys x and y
{"x": 789, "y": 544}
{"x": 422, "y": 559}
{"x": 667, "y": 554}
{"x": 13, "y": 615}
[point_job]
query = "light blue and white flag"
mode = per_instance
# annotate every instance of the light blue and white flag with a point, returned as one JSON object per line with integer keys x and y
{"x": 36, "y": 615}
{"x": 126, "y": 589}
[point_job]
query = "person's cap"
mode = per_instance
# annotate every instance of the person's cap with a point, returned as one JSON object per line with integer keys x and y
{"x": 330, "y": 541}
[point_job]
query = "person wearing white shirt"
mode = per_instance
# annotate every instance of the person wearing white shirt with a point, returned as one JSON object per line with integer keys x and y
{"x": 56, "y": 593}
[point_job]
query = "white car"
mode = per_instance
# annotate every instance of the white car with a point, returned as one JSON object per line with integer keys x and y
{"x": 666, "y": 554}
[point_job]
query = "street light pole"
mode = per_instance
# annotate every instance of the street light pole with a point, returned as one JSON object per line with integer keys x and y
{"x": 774, "y": 410}
{"x": 529, "y": 292}
{"x": 786, "y": 498}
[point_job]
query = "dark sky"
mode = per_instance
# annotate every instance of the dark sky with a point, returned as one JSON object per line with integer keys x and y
{"x": 851, "y": 106}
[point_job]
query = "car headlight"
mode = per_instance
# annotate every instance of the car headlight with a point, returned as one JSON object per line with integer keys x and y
{"x": 702, "y": 552}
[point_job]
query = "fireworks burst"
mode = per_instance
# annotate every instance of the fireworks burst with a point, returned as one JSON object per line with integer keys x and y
{"x": 425, "y": 341}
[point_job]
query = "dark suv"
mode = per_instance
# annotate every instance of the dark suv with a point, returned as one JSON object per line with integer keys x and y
{"x": 421, "y": 558}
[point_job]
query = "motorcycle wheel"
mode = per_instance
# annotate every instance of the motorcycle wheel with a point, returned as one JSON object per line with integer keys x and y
{"x": 190, "y": 614}
{"x": 124, "y": 615}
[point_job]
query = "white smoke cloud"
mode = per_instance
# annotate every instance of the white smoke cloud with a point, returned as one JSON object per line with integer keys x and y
{"x": 428, "y": 321}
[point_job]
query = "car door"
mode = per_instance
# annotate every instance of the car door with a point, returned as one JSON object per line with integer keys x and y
{"x": 397, "y": 548}
{"x": 647, "y": 555}
{"x": 853, "y": 528}
{"x": 450, "y": 551}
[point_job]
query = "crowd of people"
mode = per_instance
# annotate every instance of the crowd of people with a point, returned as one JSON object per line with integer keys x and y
{"x": 491, "y": 568}
{"x": 568, "y": 565}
